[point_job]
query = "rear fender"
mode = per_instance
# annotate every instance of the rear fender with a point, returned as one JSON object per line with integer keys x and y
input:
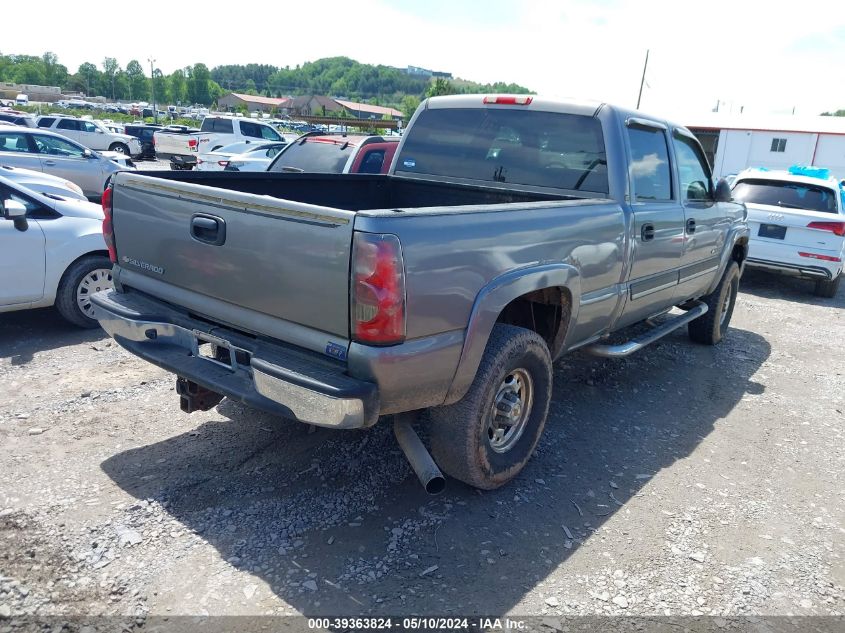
{"x": 735, "y": 235}
{"x": 490, "y": 302}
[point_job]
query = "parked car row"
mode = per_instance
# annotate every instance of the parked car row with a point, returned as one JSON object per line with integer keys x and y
{"x": 45, "y": 151}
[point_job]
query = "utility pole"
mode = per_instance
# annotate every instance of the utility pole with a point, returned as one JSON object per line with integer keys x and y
{"x": 153, "y": 86}
{"x": 642, "y": 81}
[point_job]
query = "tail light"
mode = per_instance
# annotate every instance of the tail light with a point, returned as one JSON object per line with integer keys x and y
{"x": 108, "y": 229}
{"x": 378, "y": 289}
{"x": 192, "y": 143}
{"x": 223, "y": 163}
{"x": 826, "y": 258}
{"x": 837, "y": 228}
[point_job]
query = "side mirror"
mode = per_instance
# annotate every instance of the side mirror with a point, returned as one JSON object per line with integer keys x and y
{"x": 87, "y": 153}
{"x": 13, "y": 210}
{"x": 723, "y": 191}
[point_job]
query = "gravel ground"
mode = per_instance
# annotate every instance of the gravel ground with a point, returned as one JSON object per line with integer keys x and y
{"x": 683, "y": 480}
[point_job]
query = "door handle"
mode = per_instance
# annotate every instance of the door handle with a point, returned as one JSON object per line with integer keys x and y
{"x": 208, "y": 229}
{"x": 647, "y": 232}
{"x": 691, "y": 225}
{"x": 49, "y": 162}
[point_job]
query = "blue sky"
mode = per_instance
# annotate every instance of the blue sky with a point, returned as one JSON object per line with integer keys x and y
{"x": 766, "y": 57}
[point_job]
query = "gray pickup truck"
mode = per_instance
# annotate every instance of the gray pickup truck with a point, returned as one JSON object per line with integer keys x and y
{"x": 509, "y": 231}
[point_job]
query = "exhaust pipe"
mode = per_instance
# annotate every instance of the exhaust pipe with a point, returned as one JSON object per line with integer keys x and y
{"x": 426, "y": 470}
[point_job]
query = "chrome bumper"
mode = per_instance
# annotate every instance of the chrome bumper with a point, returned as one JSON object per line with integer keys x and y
{"x": 794, "y": 270}
{"x": 291, "y": 383}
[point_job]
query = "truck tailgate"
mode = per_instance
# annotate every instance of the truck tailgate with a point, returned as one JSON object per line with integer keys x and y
{"x": 245, "y": 253}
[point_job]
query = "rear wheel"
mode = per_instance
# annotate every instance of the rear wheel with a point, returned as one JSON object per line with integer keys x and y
{"x": 827, "y": 287}
{"x": 710, "y": 328}
{"x": 487, "y": 437}
{"x": 120, "y": 148}
{"x": 82, "y": 279}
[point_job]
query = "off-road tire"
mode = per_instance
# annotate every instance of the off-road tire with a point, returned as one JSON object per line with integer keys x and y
{"x": 710, "y": 328}
{"x": 460, "y": 442}
{"x": 66, "y": 302}
{"x": 827, "y": 287}
{"x": 120, "y": 148}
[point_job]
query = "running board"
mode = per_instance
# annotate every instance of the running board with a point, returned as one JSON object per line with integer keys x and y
{"x": 634, "y": 345}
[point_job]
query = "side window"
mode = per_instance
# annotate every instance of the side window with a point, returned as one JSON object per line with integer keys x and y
{"x": 269, "y": 133}
{"x": 693, "y": 171}
{"x": 46, "y": 121}
{"x": 57, "y": 146}
{"x": 650, "y": 163}
{"x": 12, "y": 142}
{"x": 250, "y": 129}
{"x": 372, "y": 162}
{"x": 32, "y": 207}
{"x": 67, "y": 124}
{"x": 223, "y": 125}
{"x": 88, "y": 127}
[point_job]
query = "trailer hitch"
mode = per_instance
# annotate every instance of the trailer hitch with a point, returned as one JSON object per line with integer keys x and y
{"x": 194, "y": 397}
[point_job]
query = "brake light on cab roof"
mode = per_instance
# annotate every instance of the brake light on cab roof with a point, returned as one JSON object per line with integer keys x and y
{"x": 500, "y": 100}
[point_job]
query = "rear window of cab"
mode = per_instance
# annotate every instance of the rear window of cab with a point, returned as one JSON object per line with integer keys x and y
{"x": 504, "y": 145}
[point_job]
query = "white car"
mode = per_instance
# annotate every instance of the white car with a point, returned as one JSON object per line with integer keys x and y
{"x": 57, "y": 252}
{"x": 255, "y": 159}
{"x": 797, "y": 223}
{"x": 90, "y": 133}
{"x": 219, "y": 159}
{"x": 43, "y": 183}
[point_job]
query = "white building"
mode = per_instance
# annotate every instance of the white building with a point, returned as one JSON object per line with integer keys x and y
{"x": 734, "y": 142}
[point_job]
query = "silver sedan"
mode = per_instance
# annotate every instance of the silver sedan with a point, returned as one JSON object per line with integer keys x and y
{"x": 40, "y": 150}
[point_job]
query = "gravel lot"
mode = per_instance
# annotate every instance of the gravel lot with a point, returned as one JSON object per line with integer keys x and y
{"x": 684, "y": 480}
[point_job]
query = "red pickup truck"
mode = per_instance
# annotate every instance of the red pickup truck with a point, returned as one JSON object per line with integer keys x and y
{"x": 336, "y": 154}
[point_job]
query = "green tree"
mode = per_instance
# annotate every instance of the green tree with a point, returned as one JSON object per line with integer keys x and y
{"x": 837, "y": 113}
{"x": 162, "y": 94}
{"x": 410, "y": 103}
{"x": 55, "y": 74}
{"x": 198, "y": 89}
{"x": 440, "y": 86}
{"x": 110, "y": 70}
{"x": 215, "y": 91}
{"x": 178, "y": 86}
{"x": 88, "y": 78}
{"x": 139, "y": 86}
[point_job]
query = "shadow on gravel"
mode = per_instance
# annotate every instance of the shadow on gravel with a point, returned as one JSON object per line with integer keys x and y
{"x": 335, "y": 522}
{"x": 771, "y": 286}
{"x": 28, "y": 332}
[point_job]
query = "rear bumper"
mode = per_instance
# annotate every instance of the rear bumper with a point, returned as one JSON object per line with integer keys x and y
{"x": 284, "y": 381}
{"x": 792, "y": 269}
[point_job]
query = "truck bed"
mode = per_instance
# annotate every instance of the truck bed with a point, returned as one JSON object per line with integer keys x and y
{"x": 355, "y": 192}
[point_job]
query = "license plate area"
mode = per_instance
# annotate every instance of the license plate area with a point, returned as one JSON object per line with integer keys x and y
{"x": 772, "y": 231}
{"x": 218, "y": 351}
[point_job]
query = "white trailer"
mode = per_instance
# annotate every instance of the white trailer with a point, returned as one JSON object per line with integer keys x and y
{"x": 737, "y": 142}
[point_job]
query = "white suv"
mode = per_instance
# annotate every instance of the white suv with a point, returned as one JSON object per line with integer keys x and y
{"x": 92, "y": 134}
{"x": 797, "y": 223}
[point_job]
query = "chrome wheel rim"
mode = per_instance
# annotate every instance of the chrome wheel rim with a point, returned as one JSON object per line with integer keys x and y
{"x": 511, "y": 410}
{"x": 95, "y": 281}
{"x": 119, "y": 149}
